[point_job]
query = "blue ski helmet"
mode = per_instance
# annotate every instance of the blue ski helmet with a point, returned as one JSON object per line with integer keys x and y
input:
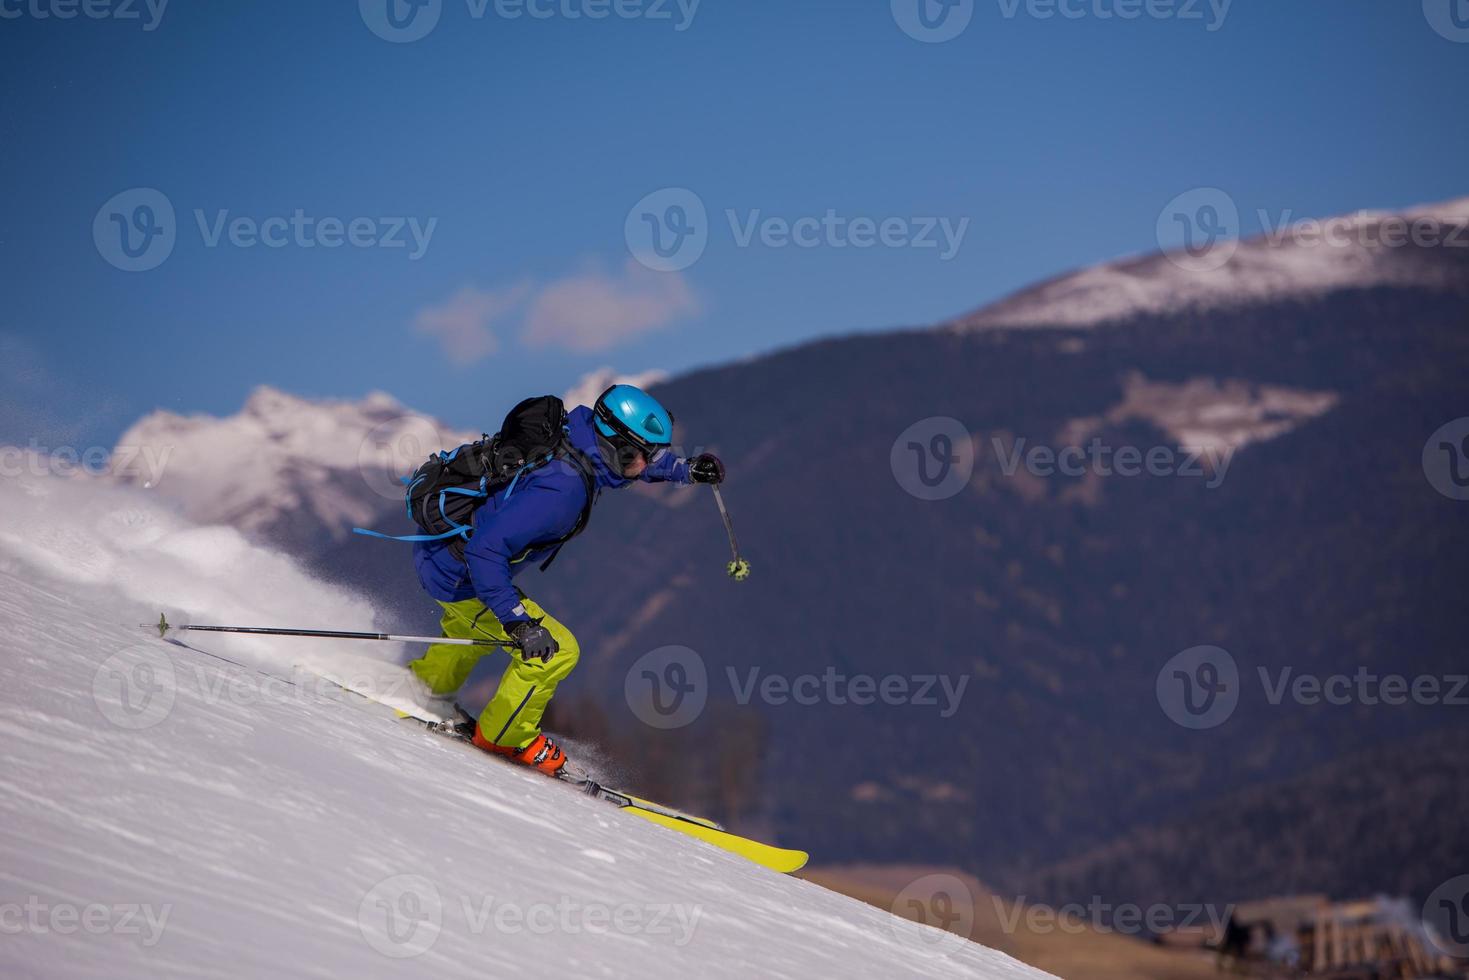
{"x": 631, "y": 416}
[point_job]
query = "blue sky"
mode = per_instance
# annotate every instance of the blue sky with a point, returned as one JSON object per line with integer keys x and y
{"x": 525, "y": 142}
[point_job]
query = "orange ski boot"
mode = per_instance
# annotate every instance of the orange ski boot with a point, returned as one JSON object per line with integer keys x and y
{"x": 541, "y": 754}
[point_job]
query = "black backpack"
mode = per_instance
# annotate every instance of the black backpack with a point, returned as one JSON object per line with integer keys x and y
{"x": 449, "y": 487}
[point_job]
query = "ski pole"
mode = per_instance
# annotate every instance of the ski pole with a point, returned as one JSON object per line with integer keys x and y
{"x": 163, "y": 626}
{"x": 738, "y": 568}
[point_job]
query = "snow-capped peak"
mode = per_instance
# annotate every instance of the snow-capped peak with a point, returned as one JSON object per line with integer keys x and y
{"x": 593, "y": 383}
{"x": 1424, "y": 246}
{"x": 291, "y": 468}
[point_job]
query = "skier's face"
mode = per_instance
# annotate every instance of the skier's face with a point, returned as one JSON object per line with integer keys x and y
{"x": 633, "y": 468}
{"x": 624, "y": 458}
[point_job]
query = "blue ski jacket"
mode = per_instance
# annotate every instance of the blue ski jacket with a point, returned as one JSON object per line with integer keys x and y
{"x": 526, "y": 519}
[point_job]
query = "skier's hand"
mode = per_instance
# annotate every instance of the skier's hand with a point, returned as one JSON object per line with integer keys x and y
{"x": 706, "y": 468}
{"x": 534, "y": 640}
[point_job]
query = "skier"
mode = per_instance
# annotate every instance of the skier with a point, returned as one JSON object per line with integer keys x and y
{"x": 625, "y": 436}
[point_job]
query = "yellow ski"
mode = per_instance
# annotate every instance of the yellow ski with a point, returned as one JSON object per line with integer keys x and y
{"x": 779, "y": 859}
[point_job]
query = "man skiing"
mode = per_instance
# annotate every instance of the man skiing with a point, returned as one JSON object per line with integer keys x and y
{"x": 625, "y": 436}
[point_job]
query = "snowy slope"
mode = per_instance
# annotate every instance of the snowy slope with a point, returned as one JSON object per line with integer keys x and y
{"x": 163, "y": 813}
{"x": 1266, "y": 267}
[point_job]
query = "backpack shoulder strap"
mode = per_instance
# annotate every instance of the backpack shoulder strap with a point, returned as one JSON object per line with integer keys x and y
{"x": 583, "y": 467}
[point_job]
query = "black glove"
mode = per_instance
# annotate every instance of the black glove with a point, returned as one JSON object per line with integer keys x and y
{"x": 534, "y": 640}
{"x": 706, "y": 468}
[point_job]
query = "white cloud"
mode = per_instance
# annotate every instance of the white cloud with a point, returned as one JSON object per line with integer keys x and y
{"x": 592, "y": 311}
{"x": 596, "y": 311}
{"x": 461, "y": 324}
